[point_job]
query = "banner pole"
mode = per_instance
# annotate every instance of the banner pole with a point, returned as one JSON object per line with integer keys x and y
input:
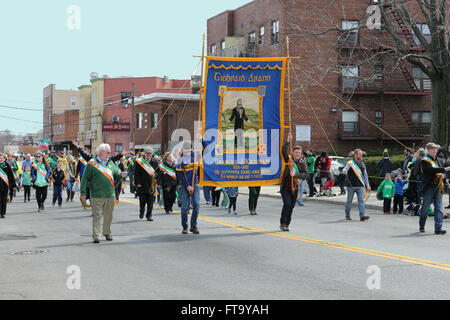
{"x": 289, "y": 107}
{"x": 200, "y": 100}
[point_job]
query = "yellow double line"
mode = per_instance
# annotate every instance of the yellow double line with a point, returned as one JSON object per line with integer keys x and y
{"x": 380, "y": 254}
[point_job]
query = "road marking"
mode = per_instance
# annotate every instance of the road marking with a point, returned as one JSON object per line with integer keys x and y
{"x": 427, "y": 263}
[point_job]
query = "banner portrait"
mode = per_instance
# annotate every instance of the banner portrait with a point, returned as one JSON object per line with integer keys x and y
{"x": 242, "y": 123}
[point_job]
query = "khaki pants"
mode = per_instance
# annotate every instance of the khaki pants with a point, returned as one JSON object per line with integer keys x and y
{"x": 102, "y": 207}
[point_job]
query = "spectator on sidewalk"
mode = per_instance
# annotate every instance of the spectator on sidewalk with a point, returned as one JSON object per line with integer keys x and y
{"x": 311, "y": 173}
{"x": 398, "y": 195}
{"x": 385, "y": 164}
{"x": 387, "y": 188}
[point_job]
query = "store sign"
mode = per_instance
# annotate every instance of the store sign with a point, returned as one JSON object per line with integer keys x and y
{"x": 116, "y": 127}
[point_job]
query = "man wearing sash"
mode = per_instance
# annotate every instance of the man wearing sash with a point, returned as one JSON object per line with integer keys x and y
{"x": 187, "y": 176}
{"x": 99, "y": 177}
{"x": 432, "y": 187}
{"x": 357, "y": 182}
{"x": 168, "y": 181}
{"x": 145, "y": 181}
{"x": 294, "y": 171}
{"x": 7, "y": 182}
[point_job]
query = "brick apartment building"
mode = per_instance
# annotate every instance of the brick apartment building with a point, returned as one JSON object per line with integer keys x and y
{"x": 354, "y": 65}
{"x": 65, "y": 129}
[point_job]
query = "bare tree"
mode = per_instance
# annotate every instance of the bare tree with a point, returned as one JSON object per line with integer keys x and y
{"x": 412, "y": 31}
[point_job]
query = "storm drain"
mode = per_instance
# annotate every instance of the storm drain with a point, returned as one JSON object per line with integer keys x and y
{"x": 28, "y": 252}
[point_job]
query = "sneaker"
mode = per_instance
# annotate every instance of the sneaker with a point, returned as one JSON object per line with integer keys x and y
{"x": 53, "y": 204}
{"x": 348, "y": 218}
{"x": 235, "y": 213}
{"x": 422, "y": 230}
{"x": 141, "y": 215}
{"x": 229, "y": 211}
{"x": 207, "y": 202}
{"x": 440, "y": 232}
{"x": 149, "y": 218}
{"x": 109, "y": 238}
{"x": 96, "y": 241}
{"x": 185, "y": 230}
{"x": 194, "y": 230}
{"x": 364, "y": 218}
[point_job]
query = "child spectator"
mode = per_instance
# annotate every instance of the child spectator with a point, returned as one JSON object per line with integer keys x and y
{"x": 26, "y": 183}
{"x": 232, "y": 195}
{"x": 59, "y": 180}
{"x": 387, "y": 188}
{"x": 398, "y": 196}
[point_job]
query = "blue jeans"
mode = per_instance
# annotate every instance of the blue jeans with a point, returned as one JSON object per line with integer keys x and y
{"x": 185, "y": 201}
{"x": 300, "y": 193}
{"x": 360, "y": 195}
{"x": 207, "y": 193}
{"x": 431, "y": 195}
{"x": 57, "y": 193}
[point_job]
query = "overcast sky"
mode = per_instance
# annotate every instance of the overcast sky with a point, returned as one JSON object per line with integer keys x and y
{"x": 41, "y": 44}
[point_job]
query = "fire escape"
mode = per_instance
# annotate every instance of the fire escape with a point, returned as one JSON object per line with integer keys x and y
{"x": 395, "y": 93}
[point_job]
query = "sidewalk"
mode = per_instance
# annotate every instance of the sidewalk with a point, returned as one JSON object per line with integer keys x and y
{"x": 273, "y": 192}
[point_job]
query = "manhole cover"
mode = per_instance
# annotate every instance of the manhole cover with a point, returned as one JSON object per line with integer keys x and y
{"x": 28, "y": 252}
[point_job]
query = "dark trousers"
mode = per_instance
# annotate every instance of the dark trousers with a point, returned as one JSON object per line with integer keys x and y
{"x": 398, "y": 202}
{"x": 146, "y": 199}
{"x": 3, "y": 202}
{"x": 27, "y": 192}
{"x": 57, "y": 193}
{"x": 215, "y": 197}
{"x": 11, "y": 193}
{"x": 118, "y": 190}
{"x": 41, "y": 195}
{"x": 311, "y": 184}
{"x": 253, "y": 197}
{"x": 387, "y": 205}
{"x": 288, "y": 206}
{"x": 232, "y": 203}
{"x": 169, "y": 197}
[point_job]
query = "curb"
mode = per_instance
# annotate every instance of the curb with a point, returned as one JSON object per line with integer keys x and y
{"x": 329, "y": 201}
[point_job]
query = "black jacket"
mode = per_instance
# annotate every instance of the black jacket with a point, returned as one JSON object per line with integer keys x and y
{"x": 165, "y": 179}
{"x": 147, "y": 182}
{"x": 58, "y": 177}
{"x": 429, "y": 179}
{"x": 11, "y": 179}
{"x": 238, "y": 120}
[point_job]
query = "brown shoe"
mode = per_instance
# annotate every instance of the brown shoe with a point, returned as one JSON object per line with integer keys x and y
{"x": 283, "y": 227}
{"x": 365, "y": 218}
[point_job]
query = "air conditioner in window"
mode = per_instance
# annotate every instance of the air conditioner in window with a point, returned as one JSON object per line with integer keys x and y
{"x": 115, "y": 119}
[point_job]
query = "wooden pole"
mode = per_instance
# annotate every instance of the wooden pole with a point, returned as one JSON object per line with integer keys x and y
{"x": 291, "y": 166}
{"x": 200, "y": 100}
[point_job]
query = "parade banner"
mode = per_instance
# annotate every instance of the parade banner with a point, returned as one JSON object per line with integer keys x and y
{"x": 243, "y": 122}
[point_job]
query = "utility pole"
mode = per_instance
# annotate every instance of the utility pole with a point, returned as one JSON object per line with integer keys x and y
{"x": 132, "y": 119}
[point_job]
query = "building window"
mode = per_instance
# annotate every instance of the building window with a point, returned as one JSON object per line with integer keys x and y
{"x": 154, "y": 119}
{"x": 275, "y": 32}
{"x": 379, "y": 72}
{"x": 425, "y": 30}
{"x": 421, "y": 117}
{"x": 139, "y": 118}
{"x": 351, "y": 32}
{"x": 73, "y": 101}
{"x": 251, "y": 39}
{"x": 261, "y": 36}
{"x": 379, "y": 117}
{"x": 222, "y": 45}
{"x": 213, "y": 49}
{"x": 350, "y": 122}
{"x": 421, "y": 80}
{"x": 118, "y": 148}
{"x": 349, "y": 78}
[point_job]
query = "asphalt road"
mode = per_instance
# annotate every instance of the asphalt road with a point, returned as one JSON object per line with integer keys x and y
{"x": 234, "y": 257}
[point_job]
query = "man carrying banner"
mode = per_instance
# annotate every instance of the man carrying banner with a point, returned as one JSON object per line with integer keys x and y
{"x": 189, "y": 191}
{"x": 295, "y": 170}
{"x": 145, "y": 181}
{"x": 432, "y": 187}
{"x": 358, "y": 181}
{"x": 99, "y": 178}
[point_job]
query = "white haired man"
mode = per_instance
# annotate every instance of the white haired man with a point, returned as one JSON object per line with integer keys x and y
{"x": 99, "y": 178}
